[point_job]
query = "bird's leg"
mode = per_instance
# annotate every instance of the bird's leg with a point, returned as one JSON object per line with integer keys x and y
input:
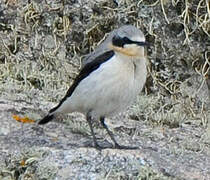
{"x": 89, "y": 120}
{"x": 102, "y": 119}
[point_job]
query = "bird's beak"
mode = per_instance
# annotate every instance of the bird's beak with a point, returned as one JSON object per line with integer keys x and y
{"x": 142, "y": 43}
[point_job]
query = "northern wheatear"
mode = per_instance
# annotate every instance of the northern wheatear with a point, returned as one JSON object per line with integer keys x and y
{"x": 110, "y": 80}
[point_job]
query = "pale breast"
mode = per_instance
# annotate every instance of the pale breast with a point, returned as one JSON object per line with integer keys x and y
{"x": 108, "y": 90}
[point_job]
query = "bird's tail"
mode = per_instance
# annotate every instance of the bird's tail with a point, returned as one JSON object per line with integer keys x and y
{"x": 46, "y": 119}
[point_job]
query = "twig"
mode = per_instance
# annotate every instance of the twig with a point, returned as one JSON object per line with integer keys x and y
{"x": 164, "y": 13}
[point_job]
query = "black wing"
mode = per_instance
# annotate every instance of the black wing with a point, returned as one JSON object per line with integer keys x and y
{"x": 86, "y": 70}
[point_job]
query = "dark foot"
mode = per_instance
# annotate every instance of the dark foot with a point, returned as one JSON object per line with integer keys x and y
{"x": 99, "y": 145}
{"x": 117, "y": 146}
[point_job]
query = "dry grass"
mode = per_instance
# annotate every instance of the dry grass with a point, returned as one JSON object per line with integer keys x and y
{"x": 27, "y": 63}
{"x": 23, "y": 70}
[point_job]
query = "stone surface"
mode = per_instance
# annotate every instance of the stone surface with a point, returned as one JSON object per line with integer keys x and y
{"x": 42, "y": 47}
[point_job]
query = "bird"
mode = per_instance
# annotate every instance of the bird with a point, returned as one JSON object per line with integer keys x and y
{"x": 109, "y": 82}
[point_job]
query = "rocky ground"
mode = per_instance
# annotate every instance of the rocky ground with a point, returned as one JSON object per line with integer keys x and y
{"x": 43, "y": 44}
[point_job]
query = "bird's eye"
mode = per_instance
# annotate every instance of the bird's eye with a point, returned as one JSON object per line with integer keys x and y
{"x": 118, "y": 41}
{"x": 127, "y": 40}
{"x": 139, "y": 43}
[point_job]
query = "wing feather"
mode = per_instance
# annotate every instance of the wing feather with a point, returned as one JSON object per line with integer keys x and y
{"x": 86, "y": 70}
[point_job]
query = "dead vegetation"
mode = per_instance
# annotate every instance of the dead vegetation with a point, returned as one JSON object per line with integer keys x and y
{"x": 43, "y": 45}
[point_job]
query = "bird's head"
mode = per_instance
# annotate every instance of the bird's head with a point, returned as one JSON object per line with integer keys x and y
{"x": 130, "y": 42}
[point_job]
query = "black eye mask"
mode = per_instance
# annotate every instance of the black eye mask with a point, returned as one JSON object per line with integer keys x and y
{"x": 120, "y": 42}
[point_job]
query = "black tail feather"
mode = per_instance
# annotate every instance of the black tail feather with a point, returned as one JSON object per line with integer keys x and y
{"x": 46, "y": 119}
